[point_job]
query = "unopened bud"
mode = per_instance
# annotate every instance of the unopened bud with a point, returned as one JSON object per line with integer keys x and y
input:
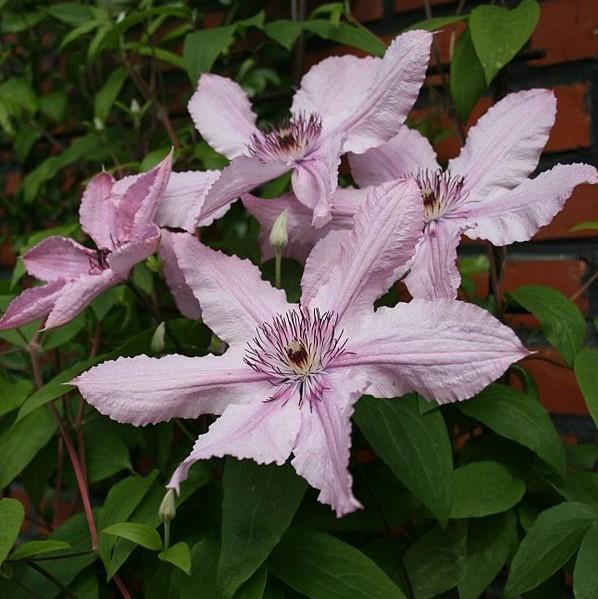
{"x": 279, "y": 236}
{"x": 135, "y": 108}
{"x": 121, "y": 16}
{"x": 167, "y": 510}
{"x": 157, "y": 343}
{"x": 98, "y": 124}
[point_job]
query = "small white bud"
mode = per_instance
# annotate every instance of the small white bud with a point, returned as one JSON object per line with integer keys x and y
{"x": 279, "y": 236}
{"x": 98, "y": 124}
{"x": 167, "y": 510}
{"x": 121, "y": 16}
{"x": 135, "y": 108}
{"x": 157, "y": 343}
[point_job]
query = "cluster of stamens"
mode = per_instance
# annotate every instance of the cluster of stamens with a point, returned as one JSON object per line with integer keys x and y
{"x": 290, "y": 140}
{"x": 294, "y": 350}
{"x": 441, "y": 191}
{"x": 99, "y": 262}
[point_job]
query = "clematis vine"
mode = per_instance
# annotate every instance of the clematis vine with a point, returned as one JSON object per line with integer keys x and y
{"x": 292, "y": 372}
{"x": 344, "y": 104}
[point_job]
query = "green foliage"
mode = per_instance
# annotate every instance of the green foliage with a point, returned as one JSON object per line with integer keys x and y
{"x": 33, "y": 548}
{"x": 12, "y": 514}
{"x": 140, "y": 534}
{"x": 586, "y": 371}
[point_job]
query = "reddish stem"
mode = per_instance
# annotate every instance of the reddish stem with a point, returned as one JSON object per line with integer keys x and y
{"x": 121, "y": 586}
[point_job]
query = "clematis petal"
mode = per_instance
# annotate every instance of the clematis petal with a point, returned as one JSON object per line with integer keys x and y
{"x": 222, "y": 114}
{"x": 504, "y": 146}
{"x": 406, "y": 153}
{"x": 144, "y": 390}
{"x": 380, "y": 245}
{"x": 31, "y": 304}
{"x": 518, "y": 214}
{"x": 434, "y": 272}
{"x": 183, "y": 198}
{"x": 445, "y": 350}
{"x": 127, "y": 255}
{"x": 242, "y": 175}
{"x": 58, "y": 258}
{"x": 368, "y": 98}
{"x": 322, "y": 450}
{"x": 139, "y": 202}
{"x": 235, "y": 300}
{"x": 261, "y": 431}
{"x": 185, "y": 301}
{"x": 76, "y": 295}
{"x": 302, "y": 235}
{"x": 97, "y": 212}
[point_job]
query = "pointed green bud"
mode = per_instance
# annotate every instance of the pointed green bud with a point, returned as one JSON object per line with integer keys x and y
{"x": 279, "y": 236}
{"x": 167, "y": 510}
{"x": 157, "y": 343}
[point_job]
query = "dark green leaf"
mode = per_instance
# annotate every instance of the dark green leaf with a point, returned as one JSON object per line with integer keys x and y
{"x": 32, "y": 548}
{"x": 586, "y": 371}
{"x": 108, "y": 94}
{"x": 344, "y": 33}
{"x": 322, "y": 567}
{"x": 585, "y": 575}
{"x": 551, "y": 541}
{"x": 415, "y": 446}
{"x": 437, "y": 23}
{"x": 284, "y": 32}
{"x": 203, "y": 47}
{"x": 12, "y": 514}
{"x": 259, "y": 504}
{"x": 499, "y": 33}
{"x": 518, "y": 417}
{"x": 178, "y": 555}
{"x": 202, "y": 582}
{"x": 13, "y": 394}
{"x": 483, "y": 489}
{"x": 255, "y": 586}
{"x": 20, "y": 443}
{"x": 141, "y": 534}
{"x": 53, "y": 105}
{"x": 434, "y": 562}
{"x": 467, "y": 81}
{"x": 106, "y": 453}
{"x": 489, "y": 542}
{"x": 61, "y": 335}
{"x": 560, "y": 319}
{"x": 72, "y": 13}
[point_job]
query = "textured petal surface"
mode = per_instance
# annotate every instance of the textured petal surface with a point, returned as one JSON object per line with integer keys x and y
{"x": 404, "y": 154}
{"x": 242, "y": 175}
{"x": 139, "y": 202}
{"x": 518, "y": 214}
{"x": 127, "y": 255}
{"x": 58, "y": 258}
{"x": 504, "y": 146}
{"x": 261, "y": 431}
{"x": 235, "y": 300}
{"x": 77, "y": 295}
{"x": 434, "y": 272}
{"x": 222, "y": 114}
{"x": 143, "y": 390}
{"x": 366, "y": 98}
{"x": 31, "y": 304}
{"x": 383, "y": 239}
{"x": 182, "y": 201}
{"x": 97, "y": 212}
{"x": 445, "y": 350}
{"x": 322, "y": 449}
{"x": 185, "y": 301}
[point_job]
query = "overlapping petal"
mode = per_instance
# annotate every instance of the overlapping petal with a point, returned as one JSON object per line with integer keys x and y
{"x": 261, "y": 431}
{"x": 504, "y": 146}
{"x": 97, "y": 212}
{"x": 434, "y": 272}
{"x": 58, "y": 258}
{"x": 518, "y": 214}
{"x": 445, "y": 350}
{"x": 223, "y": 115}
{"x": 405, "y": 154}
{"x": 235, "y": 300}
{"x": 144, "y": 390}
{"x": 383, "y": 239}
{"x": 127, "y": 255}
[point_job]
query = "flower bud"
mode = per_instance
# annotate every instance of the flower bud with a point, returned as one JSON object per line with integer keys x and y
{"x": 279, "y": 236}
{"x": 157, "y": 343}
{"x": 134, "y": 107}
{"x": 98, "y": 124}
{"x": 167, "y": 510}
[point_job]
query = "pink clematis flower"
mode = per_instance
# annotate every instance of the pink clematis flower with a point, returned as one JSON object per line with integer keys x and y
{"x": 344, "y": 104}
{"x": 118, "y": 216}
{"x": 485, "y": 192}
{"x": 292, "y": 373}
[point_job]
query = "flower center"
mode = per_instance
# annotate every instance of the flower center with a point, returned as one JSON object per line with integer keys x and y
{"x": 99, "y": 262}
{"x": 290, "y": 141}
{"x": 294, "y": 350}
{"x": 441, "y": 191}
